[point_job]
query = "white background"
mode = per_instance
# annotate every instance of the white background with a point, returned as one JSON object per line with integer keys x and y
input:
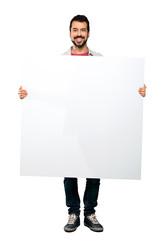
{"x": 34, "y": 207}
{"x": 72, "y": 124}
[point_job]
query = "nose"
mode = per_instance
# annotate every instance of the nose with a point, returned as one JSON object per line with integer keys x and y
{"x": 79, "y": 32}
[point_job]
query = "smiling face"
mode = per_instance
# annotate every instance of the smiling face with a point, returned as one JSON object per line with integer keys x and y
{"x": 79, "y": 33}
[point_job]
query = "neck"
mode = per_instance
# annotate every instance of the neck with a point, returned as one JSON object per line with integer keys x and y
{"x": 77, "y": 50}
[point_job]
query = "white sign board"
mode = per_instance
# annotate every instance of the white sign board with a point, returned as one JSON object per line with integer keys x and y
{"x": 82, "y": 117}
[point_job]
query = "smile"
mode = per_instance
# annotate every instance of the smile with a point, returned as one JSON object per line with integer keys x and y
{"x": 79, "y": 39}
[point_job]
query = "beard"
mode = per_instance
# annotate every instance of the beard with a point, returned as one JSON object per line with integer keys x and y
{"x": 79, "y": 46}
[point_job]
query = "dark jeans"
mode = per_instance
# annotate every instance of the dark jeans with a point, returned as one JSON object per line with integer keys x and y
{"x": 89, "y": 199}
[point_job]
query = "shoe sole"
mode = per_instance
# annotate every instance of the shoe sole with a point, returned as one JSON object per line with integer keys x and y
{"x": 70, "y": 230}
{"x": 94, "y": 229}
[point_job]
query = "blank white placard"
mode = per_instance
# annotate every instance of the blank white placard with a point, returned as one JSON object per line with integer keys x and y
{"x": 82, "y": 117}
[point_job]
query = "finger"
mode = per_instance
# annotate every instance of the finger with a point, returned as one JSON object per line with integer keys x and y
{"x": 22, "y": 95}
{"x": 20, "y": 88}
{"x": 145, "y": 86}
{"x": 23, "y": 92}
{"x": 142, "y": 93}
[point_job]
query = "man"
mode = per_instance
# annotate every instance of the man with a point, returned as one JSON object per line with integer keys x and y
{"x": 79, "y": 34}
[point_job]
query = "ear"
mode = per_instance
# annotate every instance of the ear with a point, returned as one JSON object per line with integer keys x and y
{"x": 70, "y": 34}
{"x": 88, "y": 34}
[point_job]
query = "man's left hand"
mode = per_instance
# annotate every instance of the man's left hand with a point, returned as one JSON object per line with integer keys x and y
{"x": 142, "y": 91}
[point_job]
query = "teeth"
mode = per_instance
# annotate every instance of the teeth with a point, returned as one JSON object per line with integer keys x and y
{"x": 79, "y": 39}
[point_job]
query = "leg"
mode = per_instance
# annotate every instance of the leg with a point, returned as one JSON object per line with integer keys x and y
{"x": 91, "y": 195}
{"x": 72, "y": 196}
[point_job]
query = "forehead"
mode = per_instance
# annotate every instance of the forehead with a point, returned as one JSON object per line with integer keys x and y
{"x": 79, "y": 25}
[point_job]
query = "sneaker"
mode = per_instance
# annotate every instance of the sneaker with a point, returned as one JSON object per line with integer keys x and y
{"x": 92, "y": 222}
{"x": 73, "y": 223}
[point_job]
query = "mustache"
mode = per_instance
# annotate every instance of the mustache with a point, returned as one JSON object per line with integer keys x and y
{"x": 78, "y": 37}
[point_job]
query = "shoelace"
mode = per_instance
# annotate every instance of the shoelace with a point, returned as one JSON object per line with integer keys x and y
{"x": 72, "y": 219}
{"x": 93, "y": 218}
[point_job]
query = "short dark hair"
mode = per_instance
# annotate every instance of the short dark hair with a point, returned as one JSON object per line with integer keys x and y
{"x": 80, "y": 18}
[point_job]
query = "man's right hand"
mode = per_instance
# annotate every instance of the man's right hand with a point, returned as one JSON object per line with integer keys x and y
{"x": 22, "y": 93}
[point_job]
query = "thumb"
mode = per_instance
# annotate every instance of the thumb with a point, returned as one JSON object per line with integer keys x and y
{"x": 20, "y": 88}
{"x": 144, "y": 86}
